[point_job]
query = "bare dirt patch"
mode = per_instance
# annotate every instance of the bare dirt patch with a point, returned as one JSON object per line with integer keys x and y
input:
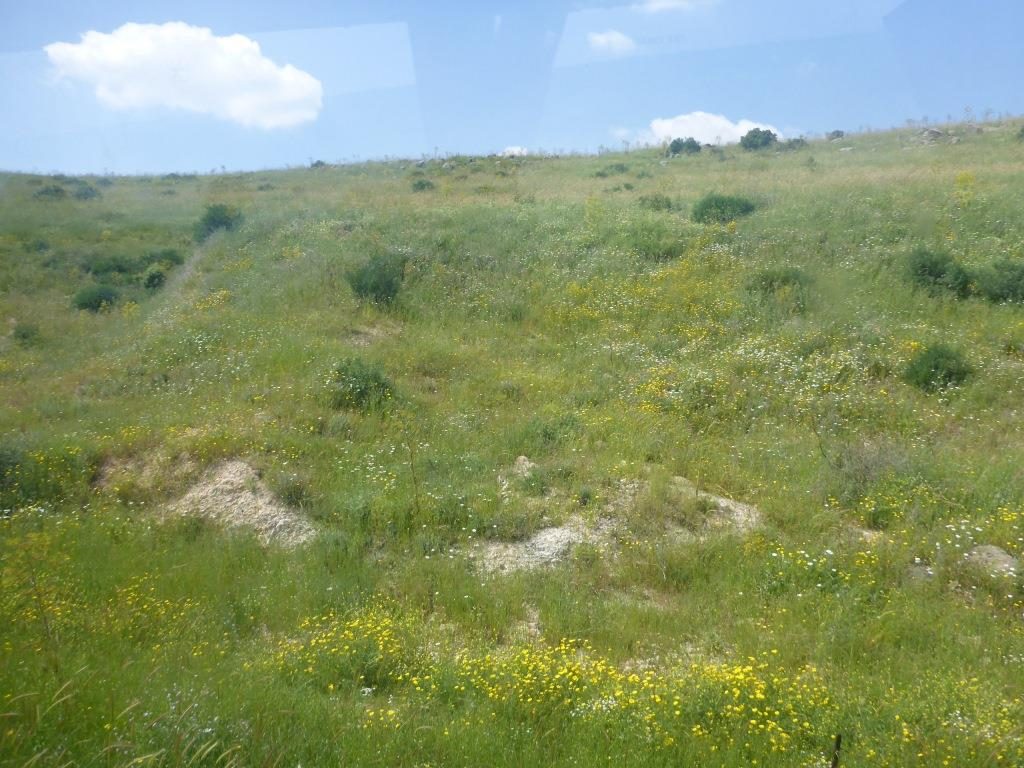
{"x": 233, "y": 495}
{"x": 726, "y": 515}
{"x": 547, "y": 547}
{"x": 606, "y": 528}
{"x": 366, "y": 336}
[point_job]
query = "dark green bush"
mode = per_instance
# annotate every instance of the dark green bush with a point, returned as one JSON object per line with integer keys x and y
{"x": 104, "y": 181}
{"x": 793, "y": 144}
{"x": 936, "y": 367}
{"x": 938, "y": 272}
{"x": 380, "y": 278}
{"x": 1002, "y": 281}
{"x": 1020, "y": 134}
{"x": 96, "y": 297}
{"x": 217, "y": 216}
{"x": 26, "y": 334}
{"x": 422, "y": 185}
{"x": 50, "y": 192}
{"x": 86, "y": 192}
{"x": 154, "y": 278}
{"x": 656, "y": 202}
{"x": 687, "y": 146}
{"x": 357, "y": 385}
{"x": 758, "y": 138}
{"x": 124, "y": 264}
{"x": 612, "y": 170}
{"x": 721, "y": 209}
{"x": 112, "y": 263}
{"x": 168, "y": 256}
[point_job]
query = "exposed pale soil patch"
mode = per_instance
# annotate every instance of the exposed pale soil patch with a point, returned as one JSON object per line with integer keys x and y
{"x": 546, "y": 547}
{"x": 992, "y": 560}
{"x": 554, "y": 544}
{"x": 365, "y": 336}
{"x": 233, "y": 495}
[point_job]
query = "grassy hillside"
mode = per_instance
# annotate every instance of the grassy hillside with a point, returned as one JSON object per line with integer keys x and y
{"x": 569, "y": 310}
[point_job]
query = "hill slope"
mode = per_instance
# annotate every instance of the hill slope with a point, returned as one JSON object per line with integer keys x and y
{"x": 599, "y": 483}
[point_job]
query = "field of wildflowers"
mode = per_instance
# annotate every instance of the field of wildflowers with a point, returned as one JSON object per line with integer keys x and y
{"x": 545, "y": 310}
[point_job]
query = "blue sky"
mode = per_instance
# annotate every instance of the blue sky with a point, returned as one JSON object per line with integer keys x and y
{"x": 267, "y": 84}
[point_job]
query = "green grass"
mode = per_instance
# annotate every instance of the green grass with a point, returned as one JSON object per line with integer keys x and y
{"x": 540, "y": 313}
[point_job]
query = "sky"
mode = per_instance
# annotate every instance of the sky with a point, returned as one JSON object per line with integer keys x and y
{"x": 133, "y": 86}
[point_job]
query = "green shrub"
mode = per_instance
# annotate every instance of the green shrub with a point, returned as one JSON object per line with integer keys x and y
{"x": 1020, "y": 134}
{"x": 687, "y": 146}
{"x": 217, "y": 216}
{"x": 112, "y": 263}
{"x": 50, "y": 192}
{"x": 86, "y": 192}
{"x": 936, "y": 367}
{"x": 793, "y": 144}
{"x": 612, "y": 170}
{"x": 154, "y": 278}
{"x": 721, "y": 209}
{"x": 758, "y": 138}
{"x": 1002, "y": 281}
{"x": 96, "y": 297}
{"x": 104, "y": 181}
{"x": 938, "y": 272}
{"x": 422, "y": 185}
{"x": 357, "y": 385}
{"x": 26, "y": 334}
{"x": 168, "y": 256}
{"x": 380, "y": 278}
{"x": 656, "y": 202}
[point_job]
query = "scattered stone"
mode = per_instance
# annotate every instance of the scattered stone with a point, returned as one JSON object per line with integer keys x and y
{"x": 846, "y": 149}
{"x": 233, "y": 495}
{"x": 993, "y": 560}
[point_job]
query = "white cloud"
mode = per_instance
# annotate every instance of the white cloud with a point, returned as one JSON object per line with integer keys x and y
{"x": 611, "y": 42}
{"x": 704, "y": 127}
{"x": 179, "y": 66}
{"x": 515, "y": 151}
{"x": 660, "y": 6}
